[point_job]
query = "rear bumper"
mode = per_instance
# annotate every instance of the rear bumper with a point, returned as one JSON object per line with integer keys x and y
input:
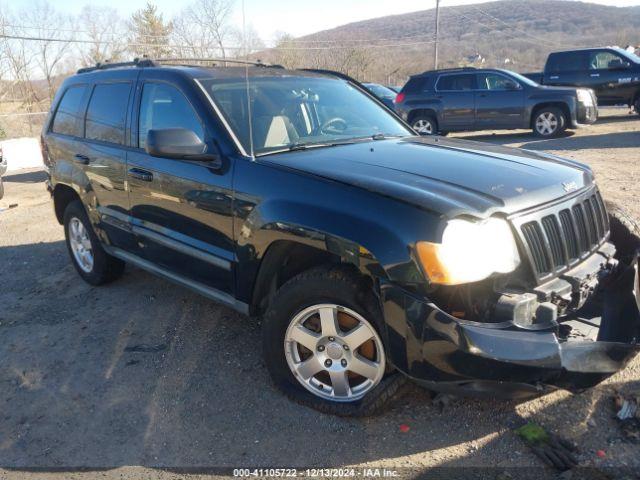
{"x": 448, "y": 354}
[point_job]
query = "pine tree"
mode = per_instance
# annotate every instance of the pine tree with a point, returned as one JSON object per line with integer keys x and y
{"x": 149, "y": 34}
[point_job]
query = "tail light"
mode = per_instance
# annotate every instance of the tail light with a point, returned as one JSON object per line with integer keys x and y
{"x": 399, "y": 98}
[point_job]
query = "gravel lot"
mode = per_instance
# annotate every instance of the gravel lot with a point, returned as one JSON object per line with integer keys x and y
{"x": 73, "y": 397}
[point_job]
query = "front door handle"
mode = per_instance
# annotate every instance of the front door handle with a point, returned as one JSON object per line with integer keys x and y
{"x": 595, "y": 74}
{"x": 140, "y": 174}
{"x": 483, "y": 95}
{"x": 82, "y": 159}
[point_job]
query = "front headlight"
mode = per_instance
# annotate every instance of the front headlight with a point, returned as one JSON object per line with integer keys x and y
{"x": 469, "y": 252}
{"x": 584, "y": 97}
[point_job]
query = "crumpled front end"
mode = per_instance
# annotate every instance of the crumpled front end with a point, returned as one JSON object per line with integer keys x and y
{"x": 446, "y": 353}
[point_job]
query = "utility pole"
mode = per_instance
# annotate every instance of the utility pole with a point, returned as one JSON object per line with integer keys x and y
{"x": 435, "y": 54}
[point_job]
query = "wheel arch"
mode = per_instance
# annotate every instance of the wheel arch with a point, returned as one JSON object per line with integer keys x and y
{"x": 431, "y": 111}
{"x": 63, "y": 195}
{"x": 563, "y": 106}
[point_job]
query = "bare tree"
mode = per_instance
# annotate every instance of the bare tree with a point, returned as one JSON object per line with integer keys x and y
{"x": 149, "y": 34}
{"x": 204, "y": 27}
{"x": 48, "y": 52}
{"x": 106, "y": 30}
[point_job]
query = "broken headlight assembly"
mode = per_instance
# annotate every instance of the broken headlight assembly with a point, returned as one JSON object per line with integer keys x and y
{"x": 469, "y": 252}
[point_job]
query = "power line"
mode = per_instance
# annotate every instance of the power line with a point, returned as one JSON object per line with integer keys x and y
{"x": 514, "y": 28}
{"x": 162, "y": 45}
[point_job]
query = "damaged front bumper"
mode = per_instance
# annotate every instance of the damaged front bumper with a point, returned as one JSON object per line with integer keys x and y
{"x": 445, "y": 353}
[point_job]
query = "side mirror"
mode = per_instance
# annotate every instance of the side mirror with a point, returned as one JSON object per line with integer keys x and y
{"x": 178, "y": 143}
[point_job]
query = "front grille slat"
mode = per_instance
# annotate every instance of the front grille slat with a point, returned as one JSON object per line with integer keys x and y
{"x": 552, "y": 231}
{"x": 557, "y": 238}
{"x": 533, "y": 235}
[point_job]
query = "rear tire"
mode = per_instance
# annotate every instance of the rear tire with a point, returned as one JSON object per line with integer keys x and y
{"x": 93, "y": 264}
{"x": 636, "y": 104}
{"x": 425, "y": 124}
{"x": 297, "y": 300}
{"x": 549, "y": 122}
{"x": 1, "y": 189}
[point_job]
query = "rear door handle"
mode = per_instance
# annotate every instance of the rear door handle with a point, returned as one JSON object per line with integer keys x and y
{"x": 554, "y": 77}
{"x": 140, "y": 174}
{"x": 82, "y": 159}
{"x": 595, "y": 75}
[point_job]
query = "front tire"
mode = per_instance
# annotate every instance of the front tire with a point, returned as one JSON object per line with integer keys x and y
{"x": 92, "y": 263}
{"x": 322, "y": 345}
{"x": 1, "y": 189}
{"x": 625, "y": 232}
{"x": 549, "y": 122}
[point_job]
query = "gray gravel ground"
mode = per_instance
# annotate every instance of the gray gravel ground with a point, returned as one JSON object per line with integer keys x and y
{"x": 73, "y": 397}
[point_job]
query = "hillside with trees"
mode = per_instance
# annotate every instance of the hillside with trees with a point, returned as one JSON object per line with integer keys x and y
{"x": 513, "y": 34}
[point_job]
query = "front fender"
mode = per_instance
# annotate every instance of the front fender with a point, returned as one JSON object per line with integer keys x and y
{"x": 374, "y": 232}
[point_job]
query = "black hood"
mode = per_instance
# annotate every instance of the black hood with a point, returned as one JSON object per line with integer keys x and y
{"x": 450, "y": 177}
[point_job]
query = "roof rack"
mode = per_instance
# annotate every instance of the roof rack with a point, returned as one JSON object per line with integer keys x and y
{"x": 456, "y": 69}
{"x": 256, "y": 63}
{"x": 137, "y": 62}
{"x": 147, "y": 62}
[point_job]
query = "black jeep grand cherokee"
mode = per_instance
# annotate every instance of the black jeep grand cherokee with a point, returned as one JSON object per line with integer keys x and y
{"x": 367, "y": 250}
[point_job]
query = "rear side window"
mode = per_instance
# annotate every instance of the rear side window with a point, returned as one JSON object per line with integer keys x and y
{"x": 164, "y": 106}
{"x": 565, "y": 62}
{"x": 68, "y": 118}
{"x": 107, "y": 112}
{"x": 456, "y": 82}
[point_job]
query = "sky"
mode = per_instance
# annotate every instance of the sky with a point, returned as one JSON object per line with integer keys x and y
{"x": 296, "y": 17}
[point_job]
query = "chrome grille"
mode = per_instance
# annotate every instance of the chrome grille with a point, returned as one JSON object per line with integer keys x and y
{"x": 559, "y": 237}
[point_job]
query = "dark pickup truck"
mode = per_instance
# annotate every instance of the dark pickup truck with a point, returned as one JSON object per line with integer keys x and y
{"x": 467, "y": 99}
{"x": 613, "y": 73}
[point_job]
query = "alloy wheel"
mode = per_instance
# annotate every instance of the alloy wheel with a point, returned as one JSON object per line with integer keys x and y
{"x": 423, "y": 126}
{"x": 546, "y": 123}
{"x": 81, "y": 245}
{"x": 334, "y": 352}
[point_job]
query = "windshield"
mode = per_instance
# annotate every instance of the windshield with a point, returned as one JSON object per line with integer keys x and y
{"x": 631, "y": 56}
{"x": 294, "y": 112}
{"x": 523, "y": 79}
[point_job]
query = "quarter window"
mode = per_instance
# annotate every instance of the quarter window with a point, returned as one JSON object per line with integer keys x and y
{"x": 68, "y": 119}
{"x": 107, "y": 112}
{"x": 164, "y": 106}
{"x": 456, "y": 82}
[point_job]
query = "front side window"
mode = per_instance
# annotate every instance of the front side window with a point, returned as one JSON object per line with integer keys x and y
{"x": 286, "y": 111}
{"x": 68, "y": 118}
{"x": 164, "y": 106}
{"x": 494, "y": 81}
{"x": 456, "y": 82}
{"x": 107, "y": 112}
{"x": 605, "y": 60}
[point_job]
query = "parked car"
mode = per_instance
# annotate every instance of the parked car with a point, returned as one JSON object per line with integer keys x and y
{"x": 371, "y": 253}
{"x": 385, "y": 94}
{"x": 613, "y": 73}
{"x": 3, "y": 169}
{"x": 467, "y": 99}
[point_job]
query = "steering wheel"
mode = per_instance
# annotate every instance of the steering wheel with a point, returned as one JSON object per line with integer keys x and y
{"x": 334, "y": 125}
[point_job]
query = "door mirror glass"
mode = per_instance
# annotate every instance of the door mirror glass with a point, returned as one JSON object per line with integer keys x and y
{"x": 177, "y": 143}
